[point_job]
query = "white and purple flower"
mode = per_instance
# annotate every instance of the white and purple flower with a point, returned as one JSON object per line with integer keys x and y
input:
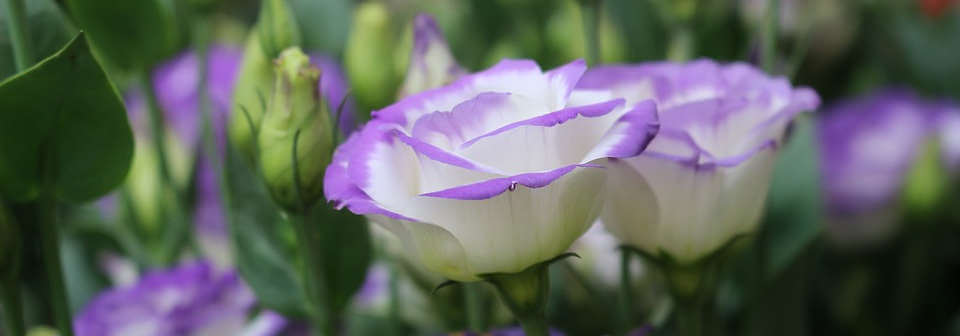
{"x": 704, "y": 178}
{"x": 493, "y": 173}
{"x": 193, "y": 299}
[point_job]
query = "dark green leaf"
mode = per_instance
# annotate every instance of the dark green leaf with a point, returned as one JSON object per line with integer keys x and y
{"x": 63, "y": 112}
{"x": 261, "y": 258}
{"x": 131, "y": 34}
{"x": 48, "y": 32}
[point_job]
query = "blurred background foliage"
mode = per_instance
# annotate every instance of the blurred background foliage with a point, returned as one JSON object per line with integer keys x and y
{"x": 785, "y": 280}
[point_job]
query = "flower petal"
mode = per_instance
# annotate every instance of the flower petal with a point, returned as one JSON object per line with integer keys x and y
{"x": 431, "y": 62}
{"x": 660, "y": 205}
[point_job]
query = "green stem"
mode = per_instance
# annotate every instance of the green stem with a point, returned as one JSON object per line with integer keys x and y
{"x": 16, "y": 26}
{"x": 178, "y": 231}
{"x": 525, "y": 294}
{"x": 691, "y": 286}
{"x": 394, "y": 313}
{"x": 590, "y": 15}
{"x": 476, "y": 321}
{"x": 11, "y": 308}
{"x": 770, "y": 35}
{"x": 313, "y": 284}
{"x": 626, "y": 291}
{"x": 50, "y": 243}
{"x": 689, "y": 317}
{"x": 535, "y": 326}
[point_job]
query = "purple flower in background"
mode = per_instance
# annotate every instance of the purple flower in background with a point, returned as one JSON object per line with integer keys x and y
{"x": 192, "y": 299}
{"x": 949, "y": 131}
{"x": 431, "y": 62}
{"x": 704, "y": 178}
{"x": 333, "y": 87}
{"x": 492, "y": 173}
{"x": 867, "y": 146}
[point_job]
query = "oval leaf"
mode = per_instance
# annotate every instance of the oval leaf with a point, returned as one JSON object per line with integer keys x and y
{"x": 63, "y": 115}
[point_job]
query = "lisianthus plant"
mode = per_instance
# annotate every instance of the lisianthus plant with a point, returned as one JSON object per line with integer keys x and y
{"x": 375, "y": 167}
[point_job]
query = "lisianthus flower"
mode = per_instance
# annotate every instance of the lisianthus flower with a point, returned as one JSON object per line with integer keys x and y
{"x": 431, "y": 62}
{"x": 704, "y": 178}
{"x": 867, "y": 146}
{"x": 600, "y": 257}
{"x": 192, "y": 299}
{"x": 492, "y": 173}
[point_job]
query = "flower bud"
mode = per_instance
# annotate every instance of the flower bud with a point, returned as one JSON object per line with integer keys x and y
{"x": 148, "y": 196}
{"x": 295, "y": 107}
{"x": 250, "y": 95}
{"x": 369, "y": 56}
{"x": 277, "y": 28}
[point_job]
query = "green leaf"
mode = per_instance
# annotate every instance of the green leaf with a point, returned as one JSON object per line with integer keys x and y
{"x": 131, "y": 34}
{"x": 64, "y": 115}
{"x": 47, "y": 29}
{"x": 261, "y": 257}
{"x": 794, "y": 208}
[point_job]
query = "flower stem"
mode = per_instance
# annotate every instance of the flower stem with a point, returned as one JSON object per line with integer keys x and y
{"x": 312, "y": 272}
{"x": 11, "y": 308}
{"x": 525, "y": 294}
{"x": 590, "y": 15}
{"x": 178, "y": 232}
{"x": 770, "y": 35}
{"x": 626, "y": 291}
{"x": 691, "y": 286}
{"x": 50, "y": 244}
{"x": 689, "y": 317}
{"x": 535, "y": 326}
{"x": 16, "y": 26}
{"x": 476, "y": 321}
{"x": 394, "y": 309}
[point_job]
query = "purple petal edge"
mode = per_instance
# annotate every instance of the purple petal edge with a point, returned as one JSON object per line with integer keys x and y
{"x": 555, "y": 118}
{"x": 493, "y": 187}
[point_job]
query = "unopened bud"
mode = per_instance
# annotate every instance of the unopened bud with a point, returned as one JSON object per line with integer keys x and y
{"x": 250, "y": 95}
{"x": 147, "y": 194}
{"x": 369, "y": 56}
{"x": 295, "y": 116}
{"x": 277, "y": 28}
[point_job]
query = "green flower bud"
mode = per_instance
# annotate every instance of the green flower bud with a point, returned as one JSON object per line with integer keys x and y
{"x": 146, "y": 193}
{"x": 369, "y": 56}
{"x": 295, "y": 107}
{"x": 277, "y": 28}
{"x": 250, "y": 95}
{"x": 9, "y": 240}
